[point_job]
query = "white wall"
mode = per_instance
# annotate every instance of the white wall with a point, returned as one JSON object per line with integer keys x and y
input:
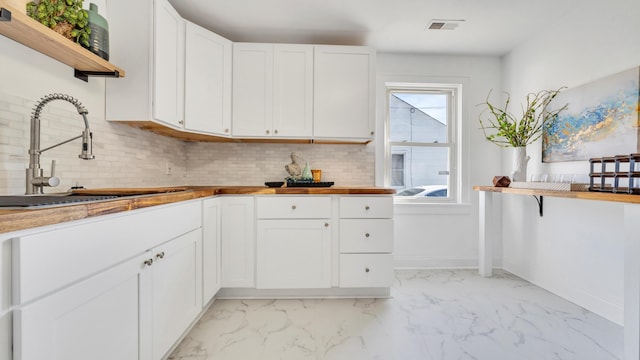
{"x": 576, "y": 249}
{"x": 443, "y": 235}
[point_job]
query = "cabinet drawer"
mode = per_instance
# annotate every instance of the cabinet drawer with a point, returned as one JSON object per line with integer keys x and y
{"x": 366, "y": 270}
{"x": 366, "y": 235}
{"x": 366, "y": 207}
{"x": 293, "y": 207}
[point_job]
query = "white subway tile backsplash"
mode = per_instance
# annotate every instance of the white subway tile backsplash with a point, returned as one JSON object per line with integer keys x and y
{"x": 126, "y": 156}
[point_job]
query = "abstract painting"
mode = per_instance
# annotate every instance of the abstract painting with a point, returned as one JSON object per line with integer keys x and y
{"x": 602, "y": 119}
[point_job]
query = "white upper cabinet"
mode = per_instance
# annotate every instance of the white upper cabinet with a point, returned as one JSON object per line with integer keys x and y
{"x": 344, "y": 92}
{"x": 168, "y": 64}
{"x": 252, "y": 89}
{"x": 207, "y": 81}
{"x": 272, "y": 90}
{"x": 148, "y": 36}
{"x": 293, "y": 90}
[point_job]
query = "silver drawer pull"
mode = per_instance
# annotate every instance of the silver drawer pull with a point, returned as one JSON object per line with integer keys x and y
{"x": 326, "y": 224}
{"x": 366, "y": 235}
{"x": 293, "y": 207}
{"x": 148, "y": 262}
{"x": 160, "y": 255}
{"x": 366, "y": 270}
{"x": 367, "y": 207}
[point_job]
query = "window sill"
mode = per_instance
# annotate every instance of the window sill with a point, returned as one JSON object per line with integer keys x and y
{"x": 406, "y": 208}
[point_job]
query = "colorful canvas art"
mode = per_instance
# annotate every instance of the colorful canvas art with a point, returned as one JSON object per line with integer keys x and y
{"x": 602, "y": 119}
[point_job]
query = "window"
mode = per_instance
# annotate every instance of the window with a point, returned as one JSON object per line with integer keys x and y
{"x": 421, "y": 141}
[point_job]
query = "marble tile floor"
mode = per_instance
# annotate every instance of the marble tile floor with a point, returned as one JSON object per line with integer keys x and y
{"x": 432, "y": 315}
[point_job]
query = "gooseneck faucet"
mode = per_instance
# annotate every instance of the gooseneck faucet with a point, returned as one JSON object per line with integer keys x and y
{"x": 35, "y": 179}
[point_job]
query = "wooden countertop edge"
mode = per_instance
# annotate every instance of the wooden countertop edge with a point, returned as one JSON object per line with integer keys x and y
{"x": 584, "y": 195}
{"x": 14, "y": 220}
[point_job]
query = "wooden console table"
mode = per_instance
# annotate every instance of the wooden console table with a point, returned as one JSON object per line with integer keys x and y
{"x": 489, "y": 232}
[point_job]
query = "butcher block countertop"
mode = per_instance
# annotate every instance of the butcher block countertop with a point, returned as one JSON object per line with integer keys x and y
{"x": 20, "y": 219}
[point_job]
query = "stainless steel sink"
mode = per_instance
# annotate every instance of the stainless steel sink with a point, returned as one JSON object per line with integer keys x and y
{"x": 79, "y": 196}
{"x": 28, "y": 201}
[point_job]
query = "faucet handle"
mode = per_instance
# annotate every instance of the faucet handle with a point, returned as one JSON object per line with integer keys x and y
{"x": 52, "y": 180}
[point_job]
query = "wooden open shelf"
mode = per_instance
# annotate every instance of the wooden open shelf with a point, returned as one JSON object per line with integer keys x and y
{"x": 584, "y": 195}
{"x": 16, "y": 25}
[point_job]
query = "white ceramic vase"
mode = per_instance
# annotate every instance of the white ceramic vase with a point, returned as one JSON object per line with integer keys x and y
{"x": 520, "y": 160}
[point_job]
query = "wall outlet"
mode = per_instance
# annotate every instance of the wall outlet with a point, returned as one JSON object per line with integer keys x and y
{"x": 168, "y": 170}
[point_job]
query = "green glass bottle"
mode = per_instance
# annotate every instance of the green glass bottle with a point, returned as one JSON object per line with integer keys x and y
{"x": 99, "y": 37}
{"x": 306, "y": 173}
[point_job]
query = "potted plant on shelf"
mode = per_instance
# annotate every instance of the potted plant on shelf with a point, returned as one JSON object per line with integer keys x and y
{"x": 506, "y": 130}
{"x": 66, "y": 17}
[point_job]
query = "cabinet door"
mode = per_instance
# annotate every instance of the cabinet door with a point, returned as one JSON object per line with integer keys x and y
{"x": 344, "y": 92}
{"x": 210, "y": 249}
{"x": 207, "y": 81}
{"x": 293, "y": 254}
{"x": 177, "y": 289}
{"x": 252, "y": 89}
{"x": 238, "y": 242}
{"x": 105, "y": 317}
{"x": 293, "y": 91}
{"x": 168, "y": 64}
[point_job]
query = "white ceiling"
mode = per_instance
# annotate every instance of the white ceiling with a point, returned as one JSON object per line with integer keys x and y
{"x": 491, "y": 27}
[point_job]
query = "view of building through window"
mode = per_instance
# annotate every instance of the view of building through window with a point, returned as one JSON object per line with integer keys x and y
{"x": 420, "y": 143}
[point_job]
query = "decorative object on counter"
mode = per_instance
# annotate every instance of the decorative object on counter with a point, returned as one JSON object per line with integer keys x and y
{"x": 99, "y": 35}
{"x": 501, "y": 181}
{"x": 274, "y": 184}
{"x": 503, "y": 129}
{"x": 615, "y": 174}
{"x": 35, "y": 180}
{"x": 66, "y": 17}
{"x": 294, "y": 168}
{"x": 308, "y": 183}
{"x": 306, "y": 173}
{"x": 602, "y": 118}
{"x": 316, "y": 174}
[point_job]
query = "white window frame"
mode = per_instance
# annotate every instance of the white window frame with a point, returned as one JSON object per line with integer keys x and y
{"x": 454, "y": 117}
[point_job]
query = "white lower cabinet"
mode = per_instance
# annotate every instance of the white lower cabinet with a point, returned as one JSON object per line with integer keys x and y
{"x": 139, "y": 292}
{"x": 135, "y": 310}
{"x": 366, "y": 241}
{"x": 293, "y": 254}
{"x": 293, "y": 242}
{"x": 177, "y": 289}
{"x": 104, "y": 317}
{"x": 238, "y": 238}
{"x": 211, "y": 282}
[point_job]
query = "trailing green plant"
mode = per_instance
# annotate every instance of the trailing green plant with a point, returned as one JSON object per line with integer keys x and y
{"x": 66, "y": 17}
{"x": 504, "y": 129}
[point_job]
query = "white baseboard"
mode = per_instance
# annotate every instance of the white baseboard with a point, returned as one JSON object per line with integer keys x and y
{"x": 426, "y": 262}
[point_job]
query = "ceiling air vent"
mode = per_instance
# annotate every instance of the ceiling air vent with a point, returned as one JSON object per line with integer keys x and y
{"x": 442, "y": 24}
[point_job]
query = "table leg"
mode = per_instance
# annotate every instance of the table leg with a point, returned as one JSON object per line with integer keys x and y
{"x": 631, "y": 282}
{"x": 487, "y": 234}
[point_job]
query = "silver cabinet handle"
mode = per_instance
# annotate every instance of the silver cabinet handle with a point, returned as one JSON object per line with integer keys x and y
{"x": 367, "y": 207}
{"x": 160, "y": 255}
{"x": 326, "y": 224}
{"x": 366, "y": 270}
{"x": 267, "y": 132}
{"x": 148, "y": 262}
{"x": 181, "y": 122}
{"x": 293, "y": 207}
{"x": 275, "y": 131}
{"x": 226, "y": 130}
{"x": 366, "y": 235}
